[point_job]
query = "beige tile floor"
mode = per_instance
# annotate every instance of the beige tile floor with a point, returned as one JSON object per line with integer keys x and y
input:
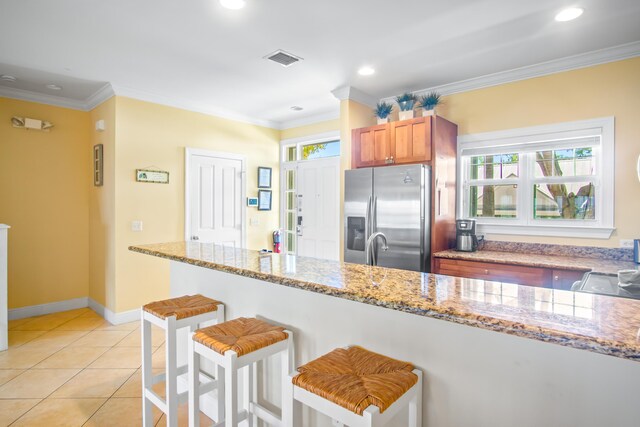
{"x": 75, "y": 369}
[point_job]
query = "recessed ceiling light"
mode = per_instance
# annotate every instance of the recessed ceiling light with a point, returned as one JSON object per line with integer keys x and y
{"x": 297, "y": 108}
{"x": 233, "y": 4}
{"x": 569, "y": 14}
{"x": 366, "y": 71}
{"x": 54, "y": 87}
{"x": 7, "y": 78}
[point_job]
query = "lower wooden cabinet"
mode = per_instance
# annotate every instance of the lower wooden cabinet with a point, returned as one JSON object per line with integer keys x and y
{"x": 522, "y": 275}
{"x": 564, "y": 279}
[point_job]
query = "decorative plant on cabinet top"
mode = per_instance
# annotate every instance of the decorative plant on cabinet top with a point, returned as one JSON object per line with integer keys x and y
{"x": 382, "y": 112}
{"x": 406, "y": 102}
{"x": 429, "y": 102}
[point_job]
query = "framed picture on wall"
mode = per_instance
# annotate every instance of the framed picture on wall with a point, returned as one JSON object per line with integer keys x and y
{"x": 264, "y": 177}
{"x": 264, "y": 200}
{"x": 97, "y": 165}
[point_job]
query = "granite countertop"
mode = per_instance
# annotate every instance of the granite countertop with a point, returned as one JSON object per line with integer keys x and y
{"x": 560, "y": 262}
{"x": 600, "y": 324}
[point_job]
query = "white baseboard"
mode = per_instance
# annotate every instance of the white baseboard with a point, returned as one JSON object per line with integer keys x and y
{"x": 52, "y": 307}
{"x": 72, "y": 304}
{"x": 114, "y": 318}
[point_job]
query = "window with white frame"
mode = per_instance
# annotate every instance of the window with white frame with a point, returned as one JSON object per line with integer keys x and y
{"x": 544, "y": 180}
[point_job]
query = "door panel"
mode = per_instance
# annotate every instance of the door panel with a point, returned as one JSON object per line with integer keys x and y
{"x": 411, "y": 140}
{"x": 358, "y": 189}
{"x": 318, "y": 208}
{"x": 215, "y": 197}
{"x": 370, "y": 146}
{"x": 399, "y": 215}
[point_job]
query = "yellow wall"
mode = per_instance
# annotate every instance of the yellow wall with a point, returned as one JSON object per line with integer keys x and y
{"x": 605, "y": 90}
{"x": 311, "y": 129}
{"x": 152, "y": 135}
{"x": 44, "y": 178}
{"x": 102, "y": 202}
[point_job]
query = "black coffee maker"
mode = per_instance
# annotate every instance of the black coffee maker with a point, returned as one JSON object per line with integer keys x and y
{"x": 466, "y": 239}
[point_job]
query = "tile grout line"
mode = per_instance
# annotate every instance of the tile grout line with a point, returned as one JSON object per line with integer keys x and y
{"x": 77, "y": 373}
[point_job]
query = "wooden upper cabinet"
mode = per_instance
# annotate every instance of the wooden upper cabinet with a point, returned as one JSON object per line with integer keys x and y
{"x": 370, "y": 146}
{"x": 411, "y": 140}
{"x": 407, "y": 141}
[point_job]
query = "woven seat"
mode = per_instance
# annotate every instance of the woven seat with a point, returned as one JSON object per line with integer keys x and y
{"x": 355, "y": 378}
{"x": 182, "y": 307}
{"x": 242, "y": 335}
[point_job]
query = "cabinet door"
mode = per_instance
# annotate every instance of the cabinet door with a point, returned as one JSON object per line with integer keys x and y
{"x": 370, "y": 146}
{"x": 411, "y": 140}
{"x": 564, "y": 279}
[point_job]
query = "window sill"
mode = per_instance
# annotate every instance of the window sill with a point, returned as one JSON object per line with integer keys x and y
{"x": 547, "y": 230}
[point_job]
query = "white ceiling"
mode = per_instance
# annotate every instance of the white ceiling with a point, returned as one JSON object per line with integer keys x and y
{"x": 194, "y": 52}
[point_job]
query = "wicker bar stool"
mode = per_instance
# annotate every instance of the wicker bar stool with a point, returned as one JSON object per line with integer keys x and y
{"x": 172, "y": 314}
{"x": 358, "y": 388}
{"x": 233, "y": 345}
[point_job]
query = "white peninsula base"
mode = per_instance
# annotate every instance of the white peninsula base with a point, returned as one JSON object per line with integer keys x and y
{"x": 472, "y": 377}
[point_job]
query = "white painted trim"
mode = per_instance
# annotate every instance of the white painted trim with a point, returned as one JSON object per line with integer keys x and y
{"x": 354, "y": 94}
{"x": 48, "y": 308}
{"x": 583, "y": 60}
{"x": 112, "y": 317}
{"x": 188, "y": 152}
{"x": 41, "y": 98}
{"x": 602, "y": 229}
{"x": 316, "y": 118}
{"x": 309, "y": 139}
{"x": 553, "y": 231}
{"x": 192, "y": 105}
{"x": 100, "y": 96}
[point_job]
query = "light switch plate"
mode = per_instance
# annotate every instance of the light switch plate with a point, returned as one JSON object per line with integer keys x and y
{"x": 254, "y": 222}
{"x": 136, "y": 225}
{"x": 626, "y": 243}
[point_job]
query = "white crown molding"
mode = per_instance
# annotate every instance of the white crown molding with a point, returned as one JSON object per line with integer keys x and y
{"x": 101, "y": 95}
{"x": 596, "y": 57}
{"x": 191, "y": 105}
{"x": 316, "y": 118}
{"x": 26, "y": 95}
{"x": 354, "y": 94}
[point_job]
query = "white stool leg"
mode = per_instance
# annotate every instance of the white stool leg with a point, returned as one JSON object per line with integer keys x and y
{"x": 287, "y": 385}
{"x": 194, "y": 385}
{"x": 220, "y": 401}
{"x": 415, "y": 405}
{"x": 247, "y": 393}
{"x": 147, "y": 410}
{"x": 172, "y": 373}
{"x": 230, "y": 390}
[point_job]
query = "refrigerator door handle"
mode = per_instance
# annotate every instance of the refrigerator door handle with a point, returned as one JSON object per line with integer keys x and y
{"x": 367, "y": 220}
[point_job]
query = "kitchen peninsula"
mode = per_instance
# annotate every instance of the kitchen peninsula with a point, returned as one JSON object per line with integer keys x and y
{"x": 512, "y": 354}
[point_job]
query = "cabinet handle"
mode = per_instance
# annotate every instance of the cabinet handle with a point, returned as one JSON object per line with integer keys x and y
{"x": 556, "y": 277}
{"x": 392, "y": 161}
{"x": 486, "y": 272}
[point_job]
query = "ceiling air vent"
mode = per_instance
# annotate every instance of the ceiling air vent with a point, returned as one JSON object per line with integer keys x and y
{"x": 283, "y": 58}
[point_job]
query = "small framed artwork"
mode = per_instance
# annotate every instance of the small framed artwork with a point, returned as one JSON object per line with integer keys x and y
{"x": 252, "y": 202}
{"x": 97, "y": 165}
{"x": 264, "y": 200}
{"x": 264, "y": 177}
{"x": 155, "y": 177}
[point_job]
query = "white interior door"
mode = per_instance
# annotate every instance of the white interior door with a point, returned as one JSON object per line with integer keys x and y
{"x": 215, "y": 187}
{"x": 319, "y": 208}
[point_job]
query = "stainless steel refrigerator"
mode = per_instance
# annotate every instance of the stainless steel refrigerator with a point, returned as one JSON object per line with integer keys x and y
{"x": 396, "y": 202}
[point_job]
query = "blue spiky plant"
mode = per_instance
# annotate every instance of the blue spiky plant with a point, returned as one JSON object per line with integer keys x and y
{"x": 383, "y": 110}
{"x": 430, "y": 100}
{"x": 406, "y": 101}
